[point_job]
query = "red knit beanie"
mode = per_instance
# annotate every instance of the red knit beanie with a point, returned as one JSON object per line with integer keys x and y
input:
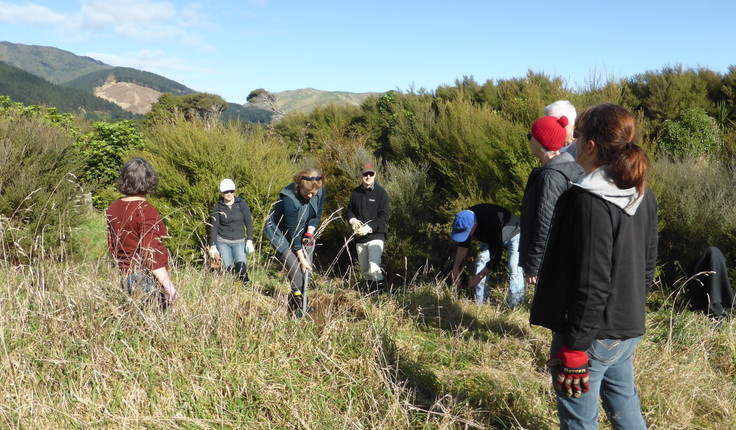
{"x": 550, "y": 132}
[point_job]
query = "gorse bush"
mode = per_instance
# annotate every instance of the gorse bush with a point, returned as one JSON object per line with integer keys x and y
{"x": 40, "y": 197}
{"x": 191, "y": 160}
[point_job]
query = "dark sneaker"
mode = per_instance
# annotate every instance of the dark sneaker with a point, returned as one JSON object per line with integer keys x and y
{"x": 295, "y": 302}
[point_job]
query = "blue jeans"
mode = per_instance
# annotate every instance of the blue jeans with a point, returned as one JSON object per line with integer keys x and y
{"x": 231, "y": 253}
{"x": 146, "y": 287}
{"x": 516, "y": 273}
{"x": 612, "y": 379}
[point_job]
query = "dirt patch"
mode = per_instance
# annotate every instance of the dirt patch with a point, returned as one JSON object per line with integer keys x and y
{"x": 131, "y": 97}
{"x": 339, "y": 305}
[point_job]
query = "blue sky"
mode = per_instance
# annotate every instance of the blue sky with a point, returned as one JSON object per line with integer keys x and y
{"x": 233, "y": 47}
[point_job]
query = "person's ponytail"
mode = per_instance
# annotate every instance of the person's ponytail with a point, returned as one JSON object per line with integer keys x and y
{"x": 630, "y": 168}
{"x": 613, "y": 129}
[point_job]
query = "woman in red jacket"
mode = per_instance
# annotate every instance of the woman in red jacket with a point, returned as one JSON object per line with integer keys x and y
{"x": 600, "y": 261}
{"x": 134, "y": 235}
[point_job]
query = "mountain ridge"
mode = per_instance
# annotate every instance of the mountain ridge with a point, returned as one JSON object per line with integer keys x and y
{"x": 135, "y": 90}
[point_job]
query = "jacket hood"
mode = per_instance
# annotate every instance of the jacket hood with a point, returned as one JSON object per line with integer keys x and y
{"x": 599, "y": 182}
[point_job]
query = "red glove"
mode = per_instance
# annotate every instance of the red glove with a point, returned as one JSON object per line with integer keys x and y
{"x": 308, "y": 239}
{"x": 572, "y": 368}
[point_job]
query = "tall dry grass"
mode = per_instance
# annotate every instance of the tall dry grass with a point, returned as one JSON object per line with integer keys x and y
{"x": 77, "y": 353}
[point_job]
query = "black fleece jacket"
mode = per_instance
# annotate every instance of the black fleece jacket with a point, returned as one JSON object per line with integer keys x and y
{"x": 230, "y": 222}
{"x": 597, "y": 269}
{"x": 371, "y": 206}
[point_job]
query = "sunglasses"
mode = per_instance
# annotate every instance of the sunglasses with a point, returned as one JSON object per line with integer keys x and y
{"x": 228, "y": 192}
{"x": 369, "y": 173}
{"x": 311, "y": 178}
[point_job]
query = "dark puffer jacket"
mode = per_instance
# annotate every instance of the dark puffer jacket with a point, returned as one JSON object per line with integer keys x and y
{"x": 545, "y": 185}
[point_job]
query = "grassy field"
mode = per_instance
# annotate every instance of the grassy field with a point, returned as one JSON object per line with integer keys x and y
{"x": 77, "y": 353}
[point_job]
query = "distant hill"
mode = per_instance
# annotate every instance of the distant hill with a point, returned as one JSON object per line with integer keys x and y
{"x": 90, "y": 81}
{"x": 130, "y": 89}
{"x": 55, "y": 65}
{"x": 26, "y": 88}
{"x": 305, "y": 100}
{"x": 133, "y": 90}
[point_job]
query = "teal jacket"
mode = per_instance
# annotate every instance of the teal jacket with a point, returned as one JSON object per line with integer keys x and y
{"x": 290, "y": 217}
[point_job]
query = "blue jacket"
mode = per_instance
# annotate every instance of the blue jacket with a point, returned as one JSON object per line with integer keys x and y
{"x": 290, "y": 217}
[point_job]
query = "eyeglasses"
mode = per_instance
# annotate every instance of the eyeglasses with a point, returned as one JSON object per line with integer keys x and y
{"x": 228, "y": 192}
{"x": 311, "y": 178}
{"x": 369, "y": 173}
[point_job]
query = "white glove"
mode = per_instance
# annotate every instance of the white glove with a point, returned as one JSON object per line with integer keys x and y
{"x": 214, "y": 252}
{"x": 249, "y": 249}
{"x": 355, "y": 224}
{"x": 365, "y": 229}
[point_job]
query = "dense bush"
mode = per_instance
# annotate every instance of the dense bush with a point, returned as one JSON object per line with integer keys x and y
{"x": 40, "y": 198}
{"x": 693, "y": 134}
{"x": 696, "y": 209}
{"x": 105, "y": 149}
{"x": 192, "y": 159}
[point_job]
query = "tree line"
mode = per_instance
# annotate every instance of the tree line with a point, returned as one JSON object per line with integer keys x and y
{"x": 439, "y": 151}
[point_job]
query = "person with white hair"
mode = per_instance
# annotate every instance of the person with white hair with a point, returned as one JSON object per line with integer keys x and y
{"x": 559, "y": 109}
{"x": 544, "y": 186}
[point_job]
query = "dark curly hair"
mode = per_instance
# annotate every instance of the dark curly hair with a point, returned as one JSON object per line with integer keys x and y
{"x": 137, "y": 178}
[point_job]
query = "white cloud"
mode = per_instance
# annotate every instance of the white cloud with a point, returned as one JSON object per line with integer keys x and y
{"x": 147, "y": 21}
{"x": 29, "y": 13}
{"x": 154, "y": 61}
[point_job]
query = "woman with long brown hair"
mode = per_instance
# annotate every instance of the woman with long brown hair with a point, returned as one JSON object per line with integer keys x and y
{"x": 596, "y": 273}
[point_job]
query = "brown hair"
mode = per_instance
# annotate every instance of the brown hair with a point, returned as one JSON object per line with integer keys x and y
{"x": 302, "y": 184}
{"x": 613, "y": 129}
{"x": 137, "y": 178}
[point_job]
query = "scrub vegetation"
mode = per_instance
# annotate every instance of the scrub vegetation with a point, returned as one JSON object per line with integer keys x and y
{"x": 78, "y": 353}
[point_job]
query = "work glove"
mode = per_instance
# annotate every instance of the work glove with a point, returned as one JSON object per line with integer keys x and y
{"x": 572, "y": 368}
{"x": 365, "y": 229}
{"x": 307, "y": 239}
{"x": 249, "y": 249}
{"x": 355, "y": 224}
{"x": 214, "y": 253}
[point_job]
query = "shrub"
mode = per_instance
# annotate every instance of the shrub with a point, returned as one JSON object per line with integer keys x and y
{"x": 696, "y": 210}
{"x": 40, "y": 198}
{"x": 693, "y": 133}
{"x": 191, "y": 160}
{"x": 414, "y": 208}
{"x": 106, "y": 148}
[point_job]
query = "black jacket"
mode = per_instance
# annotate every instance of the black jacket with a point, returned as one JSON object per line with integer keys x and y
{"x": 544, "y": 186}
{"x": 495, "y": 226}
{"x": 230, "y": 222}
{"x": 371, "y": 206}
{"x": 597, "y": 270}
